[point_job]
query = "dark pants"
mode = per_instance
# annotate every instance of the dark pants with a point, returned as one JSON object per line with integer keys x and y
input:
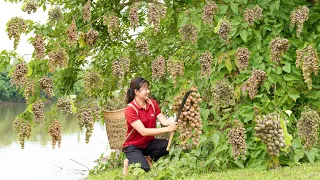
{"x": 156, "y": 149}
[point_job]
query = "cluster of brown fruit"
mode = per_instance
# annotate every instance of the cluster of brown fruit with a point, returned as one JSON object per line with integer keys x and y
{"x": 37, "y": 109}
{"x": 243, "y": 55}
{"x": 72, "y": 32}
{"x": 55, "y": 132}
{"x": 113, "y": 25}
{"x": 308, "y": 126}
{"x": 154, "y": 16}
{"x": 86, "y": 119}
{"x": 209, "y": 11}
{"x": 58, "y": 58}
{"x": 18, "y": 77}
{"x": 92, "y": 81}
{"x": 134, "y": 16}
{"x": 15, "y": 27}
{"x": 38, "y": 45}
{"x": 64, "y": 104}
{"x": 190, "y": 124}
{"x": 29, "y": 91}
{"x": 188, "y": 33}
{"x": 55, "y": 14}
{"x": 298, "y": 17}
{"x": 310, "y": 63}
{"x": 176, "y": 69}
{"x": 158, "y": 67}
{"x": 237, "y": 139}
{"x": 30, "y": 6}
{"x": 278, "y": 47}
{"x": 268, "y": 129}
{"x": 252, "y": 14}
{"x": 91, "y": 37}
{"x": 142, "y": 46}
{"x": 46, "y": 84}
{"x": 206, "y": 62}
{"x": 224, "y": 28}
{"x": 23, "y": 128}
{"x": 255, "y": 81}
{"x": 224, "y": 97}
{"x": 86, "y": 12}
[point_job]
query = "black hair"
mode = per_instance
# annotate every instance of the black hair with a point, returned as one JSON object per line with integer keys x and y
{"x": 135, "y": 84}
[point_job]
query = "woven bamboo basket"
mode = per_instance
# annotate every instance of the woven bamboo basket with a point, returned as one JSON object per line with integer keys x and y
{"x": 116, "y": 127}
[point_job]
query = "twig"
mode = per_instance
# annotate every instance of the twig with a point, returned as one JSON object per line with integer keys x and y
{"x": 80, "y": 164}
{"x": 59, "y": 167}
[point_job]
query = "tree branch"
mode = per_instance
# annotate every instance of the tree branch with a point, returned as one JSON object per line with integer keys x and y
{"x": 80, "y": 164}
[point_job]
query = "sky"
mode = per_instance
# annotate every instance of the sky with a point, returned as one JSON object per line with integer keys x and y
{"x": 9, "y": 10}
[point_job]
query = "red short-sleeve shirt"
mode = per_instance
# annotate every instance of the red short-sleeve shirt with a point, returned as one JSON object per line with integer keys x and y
{"x": 148, "y": 118}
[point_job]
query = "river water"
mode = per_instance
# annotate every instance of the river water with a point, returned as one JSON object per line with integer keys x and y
{"x": 38, "y": 160}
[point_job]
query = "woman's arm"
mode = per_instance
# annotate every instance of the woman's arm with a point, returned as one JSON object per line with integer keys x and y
{"x": 164, "y": 120}
{"x": 153, "y": 131}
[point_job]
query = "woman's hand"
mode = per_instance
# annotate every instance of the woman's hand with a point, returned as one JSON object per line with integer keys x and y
{"x": 172, "y": 127}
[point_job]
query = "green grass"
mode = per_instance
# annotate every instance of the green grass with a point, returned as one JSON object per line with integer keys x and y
{"x": 304, "y": 171}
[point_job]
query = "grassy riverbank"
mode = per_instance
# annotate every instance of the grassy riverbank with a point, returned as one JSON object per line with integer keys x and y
{"x": 304, "y": 171}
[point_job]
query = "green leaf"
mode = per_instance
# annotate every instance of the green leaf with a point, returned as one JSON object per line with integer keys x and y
{"x": 311, "y": 155}
{"x": 215, "y": 139}
{"x": 222, "y": 8}
{"x": 296, "y": 143}
{"x": 204, "y": 113}
{"x": 289, "y": 77}
{"x": 287, "y": 137}
{"x": 234, "y": 7}
{"x": 29, "y": 71}
{"x": 298, "y": 154}
{"x": 182, "y": 19}
{"x": 294, "y": 95}
{"x": 287, "y": 68}
{"x": 244, "y": 35}
{"x": 239, "y": 163}
{"x": 29, "y": 108}
{"x": 228, "y": 64}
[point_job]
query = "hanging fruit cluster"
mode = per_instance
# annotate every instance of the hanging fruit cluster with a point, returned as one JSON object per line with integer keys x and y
{"x": 237, "y": 139}
{"x": 86, "y": 12}
{"x": 55, "y": 132}
{"x": 58, "y": 58}
{"x": 298, "y": 17}
{"x": 86, "y": 118}
{"x": 29, "y": 91}
{"x": 15, "y": 27}
{"x": 310, "y": 63}
{"x": 188, "y": 33}
{"x": 243, "y": 55}
{"x": 209, "y": 11}
{"x": 92, "y": 82}
{"x": 72, "y": 32}
{"x": 64, "y": 104}
{"x": 190, "y": 124}
{"x": 18, "y": 77}
{"x": 38, "y": 45}
{"x": 206, "y": 61}
{"x": 253, "y": 14}
{"x": 55, "y": 14}
{"x": 271, "y": 134}
{"x": 255, "y": 81}
{"x": 113, "y": 25}
{"x": 223, "y": 29}
{"x": 278, "y": 47}
{"x": 158, "y": 67}
{"x": 91, "y": 37}
{"x": 30, "y": 6}
{"x": 176, "y": 69}
{"x": 308, "y": 126}
{"x": 37, "y": 109}
{"x": 142, "y": 47}
{"x": 134, "y": 16}
{"x": 23, "y": 128}
{"x": 154, "y": 16}
{"x": 224, "y": 97}
{"x": 46, "y": 84}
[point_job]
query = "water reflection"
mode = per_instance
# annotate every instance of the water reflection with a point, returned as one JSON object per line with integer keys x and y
{"x": 38, "y": 160}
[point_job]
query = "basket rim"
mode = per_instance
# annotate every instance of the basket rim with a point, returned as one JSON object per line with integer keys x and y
{"x": 113, "y": 110}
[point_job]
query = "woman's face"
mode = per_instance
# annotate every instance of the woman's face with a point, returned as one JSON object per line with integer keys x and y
{"x": 143, "y": 92}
